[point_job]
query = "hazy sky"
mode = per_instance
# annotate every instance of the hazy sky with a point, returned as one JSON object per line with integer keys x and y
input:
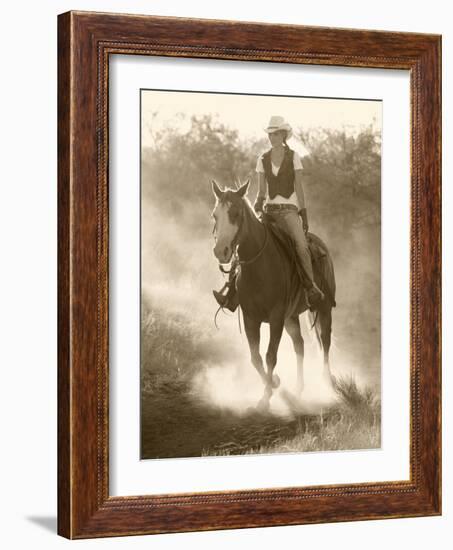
{"x": 249, "y": 114}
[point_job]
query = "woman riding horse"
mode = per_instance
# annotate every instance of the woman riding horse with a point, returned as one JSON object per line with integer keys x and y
{"x": 281, "y": 196}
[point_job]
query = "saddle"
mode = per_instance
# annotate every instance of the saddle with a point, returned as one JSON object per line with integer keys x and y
{"x": 320, "y": 258}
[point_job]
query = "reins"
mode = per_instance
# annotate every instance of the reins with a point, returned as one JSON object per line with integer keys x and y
{"x": 239, "y": 318}
{"x": 252, "y": 260}
{"x": 236, "y": 239}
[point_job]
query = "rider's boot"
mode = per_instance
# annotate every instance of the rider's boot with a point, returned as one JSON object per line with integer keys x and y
{"x": 230, "y": 299}
{"x": 314, "y": 296}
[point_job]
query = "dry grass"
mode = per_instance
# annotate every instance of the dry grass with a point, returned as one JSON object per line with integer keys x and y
{"x": 353, "y": 423}
{"x": 174, "y": 347}
{"x": 171, "y": 347}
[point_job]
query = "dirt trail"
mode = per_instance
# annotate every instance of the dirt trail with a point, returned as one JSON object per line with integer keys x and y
{"x": 177, "y": 423}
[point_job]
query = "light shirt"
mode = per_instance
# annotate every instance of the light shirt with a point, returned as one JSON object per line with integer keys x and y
{"x": 278, "y": 199}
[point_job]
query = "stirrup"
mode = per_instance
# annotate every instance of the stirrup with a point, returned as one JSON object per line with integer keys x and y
{"x": 225, "y": 301}
{"x": 220, "y": 298}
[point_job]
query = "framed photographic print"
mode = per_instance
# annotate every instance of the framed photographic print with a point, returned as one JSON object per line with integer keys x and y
{"x": 249, "y": 275}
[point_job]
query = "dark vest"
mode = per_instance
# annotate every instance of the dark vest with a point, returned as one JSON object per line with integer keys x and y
{"x": 283, "y": 183}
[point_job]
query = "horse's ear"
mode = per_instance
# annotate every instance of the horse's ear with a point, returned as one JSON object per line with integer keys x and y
{"x": 242, "y": 191}
{"x": 216, "y": 189}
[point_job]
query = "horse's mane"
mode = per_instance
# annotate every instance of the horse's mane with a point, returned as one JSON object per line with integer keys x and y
{"x": 249, "y": 206}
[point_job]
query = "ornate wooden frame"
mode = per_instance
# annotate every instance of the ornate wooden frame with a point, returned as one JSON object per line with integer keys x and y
{"x": 85, "y": 42}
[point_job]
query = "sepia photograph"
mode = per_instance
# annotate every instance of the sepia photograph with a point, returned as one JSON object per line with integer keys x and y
{"x": 260, "y": 274}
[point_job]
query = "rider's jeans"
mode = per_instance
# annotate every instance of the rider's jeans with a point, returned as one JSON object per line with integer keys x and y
{"x": 291, "y": 223}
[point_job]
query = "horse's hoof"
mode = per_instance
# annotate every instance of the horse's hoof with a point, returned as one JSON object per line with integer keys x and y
{"x": 263, "y": 405}
{"x": 275, "y": 381}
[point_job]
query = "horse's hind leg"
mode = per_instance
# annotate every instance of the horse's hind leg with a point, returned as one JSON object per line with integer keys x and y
{"x": 292, "y": 326}
{"x": 325, "y": 328}
{"x": 252, "y": 330}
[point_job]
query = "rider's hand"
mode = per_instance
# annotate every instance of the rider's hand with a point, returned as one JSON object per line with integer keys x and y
{"x": 303, "y": 215}
{"x": 258, "y": 206}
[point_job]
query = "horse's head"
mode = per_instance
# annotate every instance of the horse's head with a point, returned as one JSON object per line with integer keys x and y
{"x": 228, "y": 216}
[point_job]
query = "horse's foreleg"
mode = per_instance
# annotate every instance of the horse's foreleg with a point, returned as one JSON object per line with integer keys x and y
{"x": 272, "y": 381}
{"x": 252, "y": 330}
{"x": 292, "y": 326}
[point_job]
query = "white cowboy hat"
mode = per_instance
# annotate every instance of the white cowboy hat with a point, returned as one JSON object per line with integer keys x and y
{"x": 277, "y": 123}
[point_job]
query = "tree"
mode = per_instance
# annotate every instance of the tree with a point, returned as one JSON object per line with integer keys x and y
{"x": 344, "y": 177}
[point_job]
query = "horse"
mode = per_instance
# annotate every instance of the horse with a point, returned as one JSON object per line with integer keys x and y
{"x": 268, "y": 285}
